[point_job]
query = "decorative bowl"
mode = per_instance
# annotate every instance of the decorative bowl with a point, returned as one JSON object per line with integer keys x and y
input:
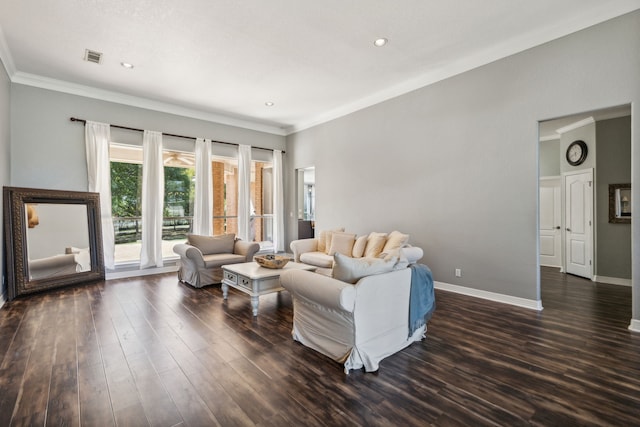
{"x": 272, "y": 261}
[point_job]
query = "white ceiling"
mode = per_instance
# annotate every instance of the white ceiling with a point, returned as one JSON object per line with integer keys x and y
{"x": 223, "y": 59}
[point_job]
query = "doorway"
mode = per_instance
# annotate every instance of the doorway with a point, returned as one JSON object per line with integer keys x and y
{"x": 591, "y": 245}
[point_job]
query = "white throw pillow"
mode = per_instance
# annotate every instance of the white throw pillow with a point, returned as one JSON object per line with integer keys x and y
{"x": 398, "y": 254}
{"x": 375, "y": 244}
{"x": 396, "y": 240}
{"x": 358, "y": 246}
{"x": 341, "y": 243}
{"x": 324, "y": 239}
{"x": 351, "y": 270}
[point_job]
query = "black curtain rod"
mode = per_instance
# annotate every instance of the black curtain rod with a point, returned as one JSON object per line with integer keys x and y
{"x": 83, "y": 121}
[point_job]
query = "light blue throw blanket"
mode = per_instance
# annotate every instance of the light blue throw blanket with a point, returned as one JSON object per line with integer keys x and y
{"x": 422, "y": 299}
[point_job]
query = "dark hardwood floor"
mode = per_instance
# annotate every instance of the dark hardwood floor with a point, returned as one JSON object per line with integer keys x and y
{"x": 152, "y": 351}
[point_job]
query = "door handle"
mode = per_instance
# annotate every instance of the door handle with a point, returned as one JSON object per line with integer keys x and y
{"x": 558, "y": 227}
{"x": 568, "y": 229}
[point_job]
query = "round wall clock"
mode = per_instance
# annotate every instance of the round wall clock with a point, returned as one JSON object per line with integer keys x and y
{"x": 577, "y": 153}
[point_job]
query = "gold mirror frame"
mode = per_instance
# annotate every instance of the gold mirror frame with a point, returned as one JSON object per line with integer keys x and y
{"x": 15, "y": 237}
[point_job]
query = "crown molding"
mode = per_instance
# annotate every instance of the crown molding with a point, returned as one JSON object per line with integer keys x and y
{"x": 499, "y": 51}
{"x": 135, "y": 101}
{"x": 550, "y": 138}
{"x": 575, "y": 125}
{"x": 5, "y": 55}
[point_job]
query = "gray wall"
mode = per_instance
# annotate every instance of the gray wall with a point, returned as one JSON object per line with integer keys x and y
{"x": 613, "y": 166}
{"x": 5, "y": 151}
{"x": 550, "y": 158}
{"x": 48, "y": 149}
{"x": 455, "y": 164}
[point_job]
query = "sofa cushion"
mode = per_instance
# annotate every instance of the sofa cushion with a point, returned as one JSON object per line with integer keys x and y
{"x": 358, "y": 246}
{"x": 395, "y": 240}
{"x": 218, "y": 260}
{"x": 222, "y": 244}
{"x": 319, "y": 259}
{"x": 375, "y": 244}
{"x": 351, "y": 270}
{"x": 342, "y": 242}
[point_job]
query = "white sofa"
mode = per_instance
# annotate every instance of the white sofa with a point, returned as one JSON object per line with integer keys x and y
{"x": 355, "y": 324}
{"x": 319, "y": 251}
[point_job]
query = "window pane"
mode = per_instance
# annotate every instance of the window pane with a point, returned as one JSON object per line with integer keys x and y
{"x": 126, "y": 201}
{"x": 262, "y": 204}
{"x": 179, "y": 193}
{"x": 225, "y": 195}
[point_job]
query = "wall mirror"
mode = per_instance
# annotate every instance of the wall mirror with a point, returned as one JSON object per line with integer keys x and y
{"x": 306, "y": 201}
{"x": 620, "y": 203}
{"x": 52, "y": 239}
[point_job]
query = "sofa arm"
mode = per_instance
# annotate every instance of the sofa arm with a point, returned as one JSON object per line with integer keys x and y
{"x": 412, "y": 253}
{"x": 301, "y": 246}
{"x": 321, "y": 290}
{"x": 382, "y": 302}
{"x": 188, "y": 252}
{"x": 246, "y": 249}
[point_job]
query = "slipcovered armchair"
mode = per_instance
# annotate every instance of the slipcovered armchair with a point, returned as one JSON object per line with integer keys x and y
{"x": 202, "y": 256}
{"x": 369, "y": 310}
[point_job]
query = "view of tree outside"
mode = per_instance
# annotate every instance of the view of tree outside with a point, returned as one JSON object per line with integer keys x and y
{"x": 126, "y": 201}
{"x": 126, "y": 189}
{"x": 179, "y": 194}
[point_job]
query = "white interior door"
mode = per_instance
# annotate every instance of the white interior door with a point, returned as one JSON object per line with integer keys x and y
{"x": 550, "y": 223}
{"x": 578, "y": 223}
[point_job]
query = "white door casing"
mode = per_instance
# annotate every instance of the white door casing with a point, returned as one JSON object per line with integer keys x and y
{"x": 550, "y": 222}
{"x": 578, "y": 196}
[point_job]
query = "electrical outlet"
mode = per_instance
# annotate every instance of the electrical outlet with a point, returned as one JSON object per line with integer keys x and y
{"x": 458, "y": 272}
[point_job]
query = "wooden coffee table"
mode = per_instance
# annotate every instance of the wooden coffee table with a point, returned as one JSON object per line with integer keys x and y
{"x": 252, "y": 279}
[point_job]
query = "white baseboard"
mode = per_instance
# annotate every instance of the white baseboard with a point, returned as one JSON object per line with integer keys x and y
{"x": 492, "y": 296}
{"x": 612, "y": 280}
{"x": 635, "y": 325}
{"x": 137, "y": 272}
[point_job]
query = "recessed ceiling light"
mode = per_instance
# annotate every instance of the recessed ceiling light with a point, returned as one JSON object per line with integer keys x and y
{"x": 380, "y": 42}
{"x": 126, "y": 65}
{"x": 269, "y": 104}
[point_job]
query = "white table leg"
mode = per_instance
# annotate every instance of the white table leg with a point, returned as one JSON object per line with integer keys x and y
{"x": 254, "y": 304}
{"x": 225, "y": 290}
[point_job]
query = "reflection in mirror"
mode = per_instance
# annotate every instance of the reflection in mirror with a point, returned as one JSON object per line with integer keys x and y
{"x": 306, "y": 201}
{"x": 52, "y": 239}
{"x": 620, "y": 203}
{"x": 57, "y": 240}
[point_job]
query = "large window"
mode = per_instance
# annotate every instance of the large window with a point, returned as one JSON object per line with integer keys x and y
{"x": 126, "y": 200}
{"x": 179, "y": 181}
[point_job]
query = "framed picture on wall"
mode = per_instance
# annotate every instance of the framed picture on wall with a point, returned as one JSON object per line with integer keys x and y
{"x": 620, "y": 203}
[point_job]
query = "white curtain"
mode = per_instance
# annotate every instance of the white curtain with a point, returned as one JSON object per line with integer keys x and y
{"x": 203, "y": 204}
{"x": 97, "y": 137}
{"x": 244, "y": 192}
{"x": 152, "y": 200}
{"x": 278, "y": 203}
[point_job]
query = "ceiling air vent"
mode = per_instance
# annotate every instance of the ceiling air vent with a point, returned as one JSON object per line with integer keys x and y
{"x": 92, "y": 56}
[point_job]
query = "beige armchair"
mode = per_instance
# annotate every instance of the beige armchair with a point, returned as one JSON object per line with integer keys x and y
{"x": 202, "y": 256}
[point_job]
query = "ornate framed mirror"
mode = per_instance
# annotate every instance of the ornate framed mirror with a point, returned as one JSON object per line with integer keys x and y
{"x": 52, "y": 239}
